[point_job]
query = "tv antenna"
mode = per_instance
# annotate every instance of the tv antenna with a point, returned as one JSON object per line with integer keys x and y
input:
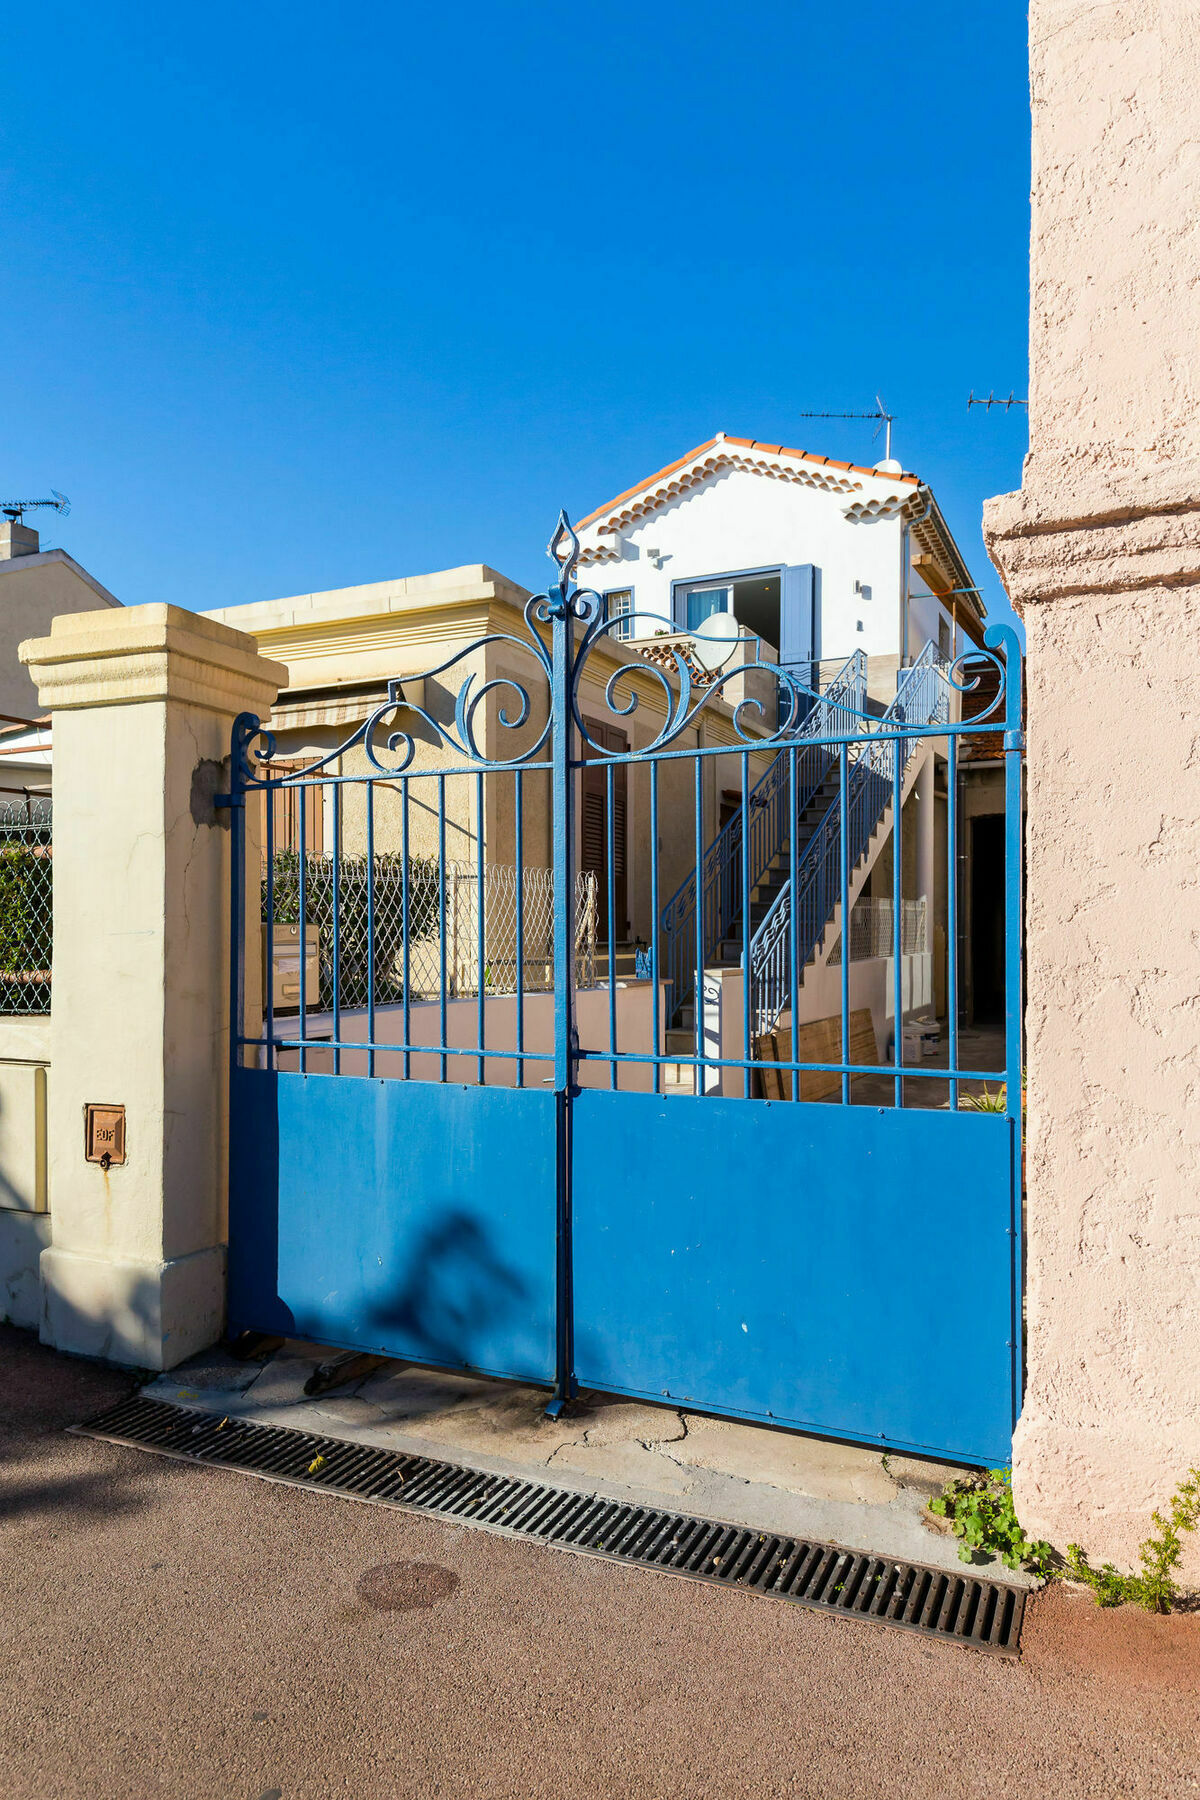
{"x": 16, "y": 509}
{"x": 881, "y": 414}
{"x": 992, "y": 400}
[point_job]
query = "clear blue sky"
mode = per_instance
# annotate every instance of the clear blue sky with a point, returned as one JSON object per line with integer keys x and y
{"x": 298, "y": 296}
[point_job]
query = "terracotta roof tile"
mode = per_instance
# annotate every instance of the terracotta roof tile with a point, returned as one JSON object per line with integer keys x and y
{"x": 741, "y": 444}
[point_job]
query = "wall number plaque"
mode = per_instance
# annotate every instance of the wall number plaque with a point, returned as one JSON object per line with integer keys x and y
{"x": 104, "y": 1135}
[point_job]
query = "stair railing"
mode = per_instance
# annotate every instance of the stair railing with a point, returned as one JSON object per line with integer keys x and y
{"x": 767, "y": 811}
{"x": 922, "y": 698}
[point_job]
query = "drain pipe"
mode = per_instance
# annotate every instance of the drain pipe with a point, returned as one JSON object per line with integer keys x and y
{"x": 905, "y": 570}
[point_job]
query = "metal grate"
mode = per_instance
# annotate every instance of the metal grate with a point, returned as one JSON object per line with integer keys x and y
{"x": 26, "y": 905}
{"x": 347, "y": 900}
{"x": 983, "y": 1614}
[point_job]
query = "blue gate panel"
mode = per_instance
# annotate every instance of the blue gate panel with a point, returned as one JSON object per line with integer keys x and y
{"x": 843, "y": 1270}
{"x": 409, "y": 1218}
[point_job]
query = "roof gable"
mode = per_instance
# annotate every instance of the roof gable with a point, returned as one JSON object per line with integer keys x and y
{"x": 724, "y": 452}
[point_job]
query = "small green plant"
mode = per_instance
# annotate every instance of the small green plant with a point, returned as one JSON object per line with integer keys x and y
{"x": 1154, "y": 1587}
{"x": 981, "y": 1513}
{"x": 997, "y": 1102}
{"x": 986, "y": 1102}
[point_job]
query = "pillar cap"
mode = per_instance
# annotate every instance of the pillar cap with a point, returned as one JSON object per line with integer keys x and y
{"x": 156, "y": 652}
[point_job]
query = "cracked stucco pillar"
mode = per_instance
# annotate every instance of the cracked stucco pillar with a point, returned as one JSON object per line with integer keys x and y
{"x": 143, "y": 700}
{"x": 1100, "y": 551}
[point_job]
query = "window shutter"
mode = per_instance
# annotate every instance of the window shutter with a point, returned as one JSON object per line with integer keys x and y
{"x": 798, "y": 624}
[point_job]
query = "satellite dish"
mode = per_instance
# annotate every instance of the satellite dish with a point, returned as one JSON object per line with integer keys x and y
{"x": 716, "y": 640}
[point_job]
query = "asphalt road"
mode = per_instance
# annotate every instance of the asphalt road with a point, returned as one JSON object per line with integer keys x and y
{"x": 197, "y": 1635}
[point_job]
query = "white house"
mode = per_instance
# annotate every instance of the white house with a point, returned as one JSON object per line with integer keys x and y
{"x": 817, "y": 558}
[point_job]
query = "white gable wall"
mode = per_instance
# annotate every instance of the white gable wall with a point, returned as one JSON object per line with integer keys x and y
{"x": 736, "y": 521}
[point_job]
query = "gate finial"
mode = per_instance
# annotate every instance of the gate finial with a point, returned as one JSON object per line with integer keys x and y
{"x": 563, "y": 551}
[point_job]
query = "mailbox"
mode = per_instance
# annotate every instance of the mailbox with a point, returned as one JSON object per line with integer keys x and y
{"x": 285, "y": 976}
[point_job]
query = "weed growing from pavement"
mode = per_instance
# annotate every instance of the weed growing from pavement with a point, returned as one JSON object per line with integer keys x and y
{"x": 981, "y": 1513}
{"x": 1154, "y": 1588}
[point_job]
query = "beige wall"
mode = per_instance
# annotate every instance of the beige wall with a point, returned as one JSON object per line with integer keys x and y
{"x": 24, "y": 1179}
{"x": 1101, "y": 552}
{"x": 33, "y": 591}
{"x": 635, "y": 1036}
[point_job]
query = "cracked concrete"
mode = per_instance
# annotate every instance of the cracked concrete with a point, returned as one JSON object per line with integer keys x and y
{"x": 621, "y": 1449}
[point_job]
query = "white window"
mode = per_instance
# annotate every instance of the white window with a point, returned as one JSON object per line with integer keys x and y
{"x": 620, "y": 607}
{"x": 945, "y": 638}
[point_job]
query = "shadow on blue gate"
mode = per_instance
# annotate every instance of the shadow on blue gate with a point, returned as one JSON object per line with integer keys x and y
{"x": 458, "y": 1295}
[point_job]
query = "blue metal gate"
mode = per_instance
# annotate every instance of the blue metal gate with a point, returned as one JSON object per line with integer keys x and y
{"x": 470, "y": 1129}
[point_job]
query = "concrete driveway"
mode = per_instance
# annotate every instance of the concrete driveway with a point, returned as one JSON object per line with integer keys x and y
{"x": 192, "y": 1634}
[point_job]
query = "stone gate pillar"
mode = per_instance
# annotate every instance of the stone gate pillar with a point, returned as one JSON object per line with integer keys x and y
{"x": 1100, "y": 551}
{"x": 143, "y": 700}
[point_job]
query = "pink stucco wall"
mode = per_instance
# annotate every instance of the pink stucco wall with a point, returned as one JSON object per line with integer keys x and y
{"x": 1101, "y": 553}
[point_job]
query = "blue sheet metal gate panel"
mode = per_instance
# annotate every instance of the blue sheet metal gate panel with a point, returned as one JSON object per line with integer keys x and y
{"x": 734, "y": 1268}
{"x": 377, "y": 1215}
{"x": 459, "y": 1132}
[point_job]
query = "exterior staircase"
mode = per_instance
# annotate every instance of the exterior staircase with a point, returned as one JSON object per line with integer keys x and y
{"x": 808, "y": 903}
{"x": 768, "y": 809}
{"x": 813, "y": 910}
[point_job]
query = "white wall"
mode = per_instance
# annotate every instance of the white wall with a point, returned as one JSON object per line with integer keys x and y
{"x": 737, "y": 520}
{"x": 924, "y": 611}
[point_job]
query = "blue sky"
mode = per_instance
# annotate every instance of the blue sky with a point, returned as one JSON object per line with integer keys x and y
{"x": 302, "y": 296}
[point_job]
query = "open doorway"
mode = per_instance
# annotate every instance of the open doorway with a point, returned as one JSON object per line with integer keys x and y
{"x": 987, "y": 918}
{"x": 754, "y": 601}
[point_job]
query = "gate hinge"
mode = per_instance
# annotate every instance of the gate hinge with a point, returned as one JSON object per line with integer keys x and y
{"x": 221, "y": 801}
{"x": 1014, "y": 740}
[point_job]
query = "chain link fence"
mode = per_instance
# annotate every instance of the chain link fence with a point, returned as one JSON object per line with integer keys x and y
{"x": 371, "y": 932}
{"x": 26, "y": 906}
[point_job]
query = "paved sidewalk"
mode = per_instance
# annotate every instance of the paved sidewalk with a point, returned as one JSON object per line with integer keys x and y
{"x": 191, "y": 1634}
{"x": 625, "y": 1450}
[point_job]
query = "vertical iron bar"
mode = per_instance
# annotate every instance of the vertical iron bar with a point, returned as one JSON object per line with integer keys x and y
{"x": 404, "y": 927}
{"x": 237, "y": 902}
{"x": 269, "y": 972}
{"x": 370, "y": 928}
{"x": 337, "y": 927}
{"x": 441, "y": 782}
{"x": 654, "y": 999}
{"x": 565, "y": 1046}
{"x": 897, "y": 901}
{"x": 1014, "y": 745}
{"x": 844, "y": 848}
{"x": 746, "y": 1045}
{"x": 794, "y": 917}
{"x": 519, "y": 859}
{"x": 480, "y": 926}
{"x": 698, "y": 1010}
{"x": 302, "y": 885}
{"x": 952, "y": 909}
{"x": 610, "y": 872}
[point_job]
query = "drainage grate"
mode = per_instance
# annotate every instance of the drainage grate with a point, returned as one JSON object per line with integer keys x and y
{"x": 984, "y": 1614}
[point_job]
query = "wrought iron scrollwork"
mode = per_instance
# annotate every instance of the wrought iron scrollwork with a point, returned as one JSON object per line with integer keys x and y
{"x": 1002, "y": 647}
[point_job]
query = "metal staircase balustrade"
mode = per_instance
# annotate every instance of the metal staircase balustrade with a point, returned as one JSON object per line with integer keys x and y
{"x": 922, "y": 698}
{"x": 767, "y": 809}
